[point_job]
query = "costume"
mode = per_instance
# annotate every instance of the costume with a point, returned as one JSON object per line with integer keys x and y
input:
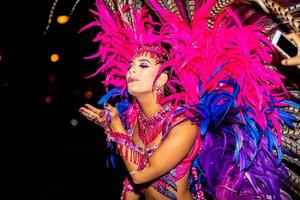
{"x": 140, "y": 155}
{"x": 218, "y": 79}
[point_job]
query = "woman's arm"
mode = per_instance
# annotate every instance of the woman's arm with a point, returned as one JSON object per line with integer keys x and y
{"x": 173, "y": 149}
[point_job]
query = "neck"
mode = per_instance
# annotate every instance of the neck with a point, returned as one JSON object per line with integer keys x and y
{"x": 148, "y": 105}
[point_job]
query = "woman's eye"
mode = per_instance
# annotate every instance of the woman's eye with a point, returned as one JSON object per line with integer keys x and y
{"x": 144, "y": 65}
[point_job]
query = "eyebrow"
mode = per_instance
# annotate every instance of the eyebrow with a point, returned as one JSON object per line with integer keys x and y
{"x": 141, "y": 60}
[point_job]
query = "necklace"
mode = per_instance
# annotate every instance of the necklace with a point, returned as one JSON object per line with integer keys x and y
{"x": 148, "y": 129}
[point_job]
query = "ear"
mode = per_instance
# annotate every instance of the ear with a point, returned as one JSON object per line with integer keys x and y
{"x": 162, "y": 79}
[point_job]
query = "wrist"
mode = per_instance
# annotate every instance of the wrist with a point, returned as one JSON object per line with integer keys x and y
{"x": 117, "y": 126}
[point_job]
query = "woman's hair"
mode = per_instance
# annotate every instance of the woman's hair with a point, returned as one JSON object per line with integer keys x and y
{"x": 157, "y": 52}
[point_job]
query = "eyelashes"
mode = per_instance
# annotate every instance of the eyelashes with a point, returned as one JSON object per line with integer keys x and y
{"x": 141, "y": 65}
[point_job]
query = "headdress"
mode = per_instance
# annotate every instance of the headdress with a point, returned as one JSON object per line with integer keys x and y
{"x": 123, "y": 33}
{"x": 219, "y": 58}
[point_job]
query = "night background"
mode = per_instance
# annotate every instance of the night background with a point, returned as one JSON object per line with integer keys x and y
{"x": 50, "y": 150}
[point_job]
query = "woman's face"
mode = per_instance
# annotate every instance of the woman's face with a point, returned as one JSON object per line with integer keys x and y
{"x": 141, "y": 74}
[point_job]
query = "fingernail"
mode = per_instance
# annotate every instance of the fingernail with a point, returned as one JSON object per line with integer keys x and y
{"x": 283, "y": 62}
{"x": 102, "y": 113}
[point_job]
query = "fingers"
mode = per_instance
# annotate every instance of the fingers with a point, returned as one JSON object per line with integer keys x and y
{"x": 88, "y": 114}
{"x": 291, "y": 61}
{"x": 85, "y": 112}
{"x": 112, "y": 110}
{"x": 294, "y": 37}
{"x": 98, "y": 116}
{"x": 104, "y": 118}
{"x": 294, "y": 60}
{"x": 107, "y": 106}
{"x": 92, "y": 108}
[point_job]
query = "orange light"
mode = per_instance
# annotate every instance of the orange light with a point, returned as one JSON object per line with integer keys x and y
{"x": 88, "y": 94}
{"x": 54, "y": 57}
{"x": 48, "y": 99}
{"x": 62, "y": 19}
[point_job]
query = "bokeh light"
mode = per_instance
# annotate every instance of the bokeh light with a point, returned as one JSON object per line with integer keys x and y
{"x": 74, "y": 122}
{"x": 51, "y": 78}
{"x": 54, "y": 57}
{"x": 88, "y": 94}
{"x": 62, "y": 19}
{"x": 48, "y": 99}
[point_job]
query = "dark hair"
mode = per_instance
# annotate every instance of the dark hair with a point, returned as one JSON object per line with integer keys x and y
{"x": 156, "y": 51}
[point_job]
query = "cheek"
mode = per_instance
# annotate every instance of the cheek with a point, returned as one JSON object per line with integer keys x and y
{"x": 148, "y": 81}
{"x": 145, "y": 85}
{"x": 127, "y": 76}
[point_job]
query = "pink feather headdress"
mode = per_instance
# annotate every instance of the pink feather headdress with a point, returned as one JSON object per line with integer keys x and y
{"x": 197, "y": 54}
{"x": 122, "y": 34}
{"x": 238, "y": 52}
{"x": 220, "y": 70}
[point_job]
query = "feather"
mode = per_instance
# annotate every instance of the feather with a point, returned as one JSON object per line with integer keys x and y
{"x": 293, "y": 160}
{"x": 294, "y": 180}
{"x": 291, "y": 145}
{"x": 225, "y": 88}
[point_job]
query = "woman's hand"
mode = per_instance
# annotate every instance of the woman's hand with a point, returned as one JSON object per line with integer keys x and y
{"x": 107, "y": 118}
{"x": 296, "y": 59}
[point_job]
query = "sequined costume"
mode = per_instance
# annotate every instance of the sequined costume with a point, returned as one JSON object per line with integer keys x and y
{"x": 140, "y": 155}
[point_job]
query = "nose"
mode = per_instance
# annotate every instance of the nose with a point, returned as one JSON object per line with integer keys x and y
{"x": 132, "y": 69}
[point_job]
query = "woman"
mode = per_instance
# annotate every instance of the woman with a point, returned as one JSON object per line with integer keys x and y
{"x": 218, "y": 89}
{"x": 171, "y": 150}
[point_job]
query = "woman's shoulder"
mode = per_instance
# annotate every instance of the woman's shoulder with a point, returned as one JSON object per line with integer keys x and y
{"x": 179, "y": 119}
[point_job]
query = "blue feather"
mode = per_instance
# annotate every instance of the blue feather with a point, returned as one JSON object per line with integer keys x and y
{"x": 217, "y": 71}
{"x": 111, "y": 93}
{"x": 291, "y": 103}
{"x": 287, "y": 117}
{"x": 111, "y": 158}
{"x": 122, "y": 106}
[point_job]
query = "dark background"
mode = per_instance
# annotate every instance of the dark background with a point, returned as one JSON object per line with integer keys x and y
{"x": 46, "y": 157}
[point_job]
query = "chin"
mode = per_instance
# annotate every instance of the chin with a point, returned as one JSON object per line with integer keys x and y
{"x": 132, "y": 92}
{"x": 136, "y": 92}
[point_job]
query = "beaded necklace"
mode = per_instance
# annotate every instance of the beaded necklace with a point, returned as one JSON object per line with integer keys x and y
{"x": 148, "y": 129}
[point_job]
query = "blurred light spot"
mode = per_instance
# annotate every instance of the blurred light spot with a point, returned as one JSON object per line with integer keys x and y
{"x": 74, "y": 122}
{"x": 51, "y": 78}
{"x": 62, "y": 19}
{"x": 88, "y": 94}
{"x": 1, "y": 57}
{"x": 48, "y": 99}
{"x": 54, "y": 57}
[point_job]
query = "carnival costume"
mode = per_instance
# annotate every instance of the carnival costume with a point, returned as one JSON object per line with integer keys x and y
{"x": 220, "y": 78}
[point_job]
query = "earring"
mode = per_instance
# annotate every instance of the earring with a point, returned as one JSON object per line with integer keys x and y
{"x": 159, "y": 94}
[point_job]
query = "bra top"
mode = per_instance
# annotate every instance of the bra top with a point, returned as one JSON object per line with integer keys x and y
{"x": 181, "y": 168}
